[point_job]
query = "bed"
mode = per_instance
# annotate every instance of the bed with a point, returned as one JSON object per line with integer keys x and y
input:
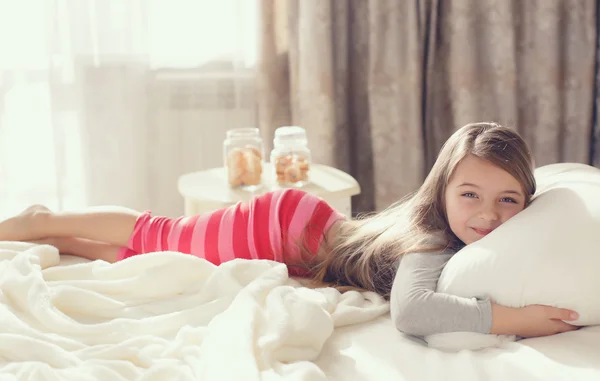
{"x": 167, "y": 316}
{"x": 374, "y": 351}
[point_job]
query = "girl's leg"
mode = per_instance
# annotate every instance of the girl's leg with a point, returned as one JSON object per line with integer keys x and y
{"x": 84, "y": 248}
{"x": 111, "y": 225}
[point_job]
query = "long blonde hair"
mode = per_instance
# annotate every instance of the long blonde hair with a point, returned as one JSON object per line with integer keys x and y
{"x": 364, "y": 253}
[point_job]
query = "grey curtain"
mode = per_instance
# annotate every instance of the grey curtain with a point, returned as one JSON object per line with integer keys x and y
{"x": 381, "y": 84}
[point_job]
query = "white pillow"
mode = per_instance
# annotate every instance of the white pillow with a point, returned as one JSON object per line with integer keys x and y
{"x": 547, "y": 254}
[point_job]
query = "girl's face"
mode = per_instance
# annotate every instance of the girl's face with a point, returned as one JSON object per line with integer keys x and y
{"x": 479, "y": 198}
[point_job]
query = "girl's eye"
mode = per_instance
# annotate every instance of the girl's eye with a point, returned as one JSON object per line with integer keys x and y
{"x": 508, "y": 199}
{"x": 469, "y": 195}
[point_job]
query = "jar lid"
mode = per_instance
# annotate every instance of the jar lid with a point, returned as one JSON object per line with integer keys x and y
{"x": 290, "y": 134}
{"x": 243, "y": 132}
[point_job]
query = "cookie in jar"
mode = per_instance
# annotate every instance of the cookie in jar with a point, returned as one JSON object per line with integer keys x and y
{"x": 291, "y": 157}
{"x": 243, "y": 156}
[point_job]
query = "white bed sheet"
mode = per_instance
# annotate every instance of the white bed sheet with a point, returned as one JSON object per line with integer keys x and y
{"x": 376, "y": 351}
{"x": 369, "y": 351}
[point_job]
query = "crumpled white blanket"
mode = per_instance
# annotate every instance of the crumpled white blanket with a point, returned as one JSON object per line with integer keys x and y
{"x": 164, "y": 316}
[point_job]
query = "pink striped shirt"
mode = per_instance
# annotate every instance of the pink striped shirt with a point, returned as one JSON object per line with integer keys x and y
{"x": 270, "y": 226}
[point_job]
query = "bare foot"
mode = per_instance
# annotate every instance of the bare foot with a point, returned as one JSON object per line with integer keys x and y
{"x": 26, "y": 226}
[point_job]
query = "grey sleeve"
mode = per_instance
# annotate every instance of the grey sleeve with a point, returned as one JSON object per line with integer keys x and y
{"x": 418, "y": 310}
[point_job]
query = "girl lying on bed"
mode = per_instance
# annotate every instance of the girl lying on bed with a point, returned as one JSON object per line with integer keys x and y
{"x": 483, "y": 176}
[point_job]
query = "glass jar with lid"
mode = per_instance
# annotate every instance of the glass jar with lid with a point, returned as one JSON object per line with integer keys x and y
{"x": 243, "y": 155}
{"x": 291, "y": 158}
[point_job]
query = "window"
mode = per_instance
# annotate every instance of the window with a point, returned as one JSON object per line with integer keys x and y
{"x": 41, "y": 152}
{"x": 191, "y": 33}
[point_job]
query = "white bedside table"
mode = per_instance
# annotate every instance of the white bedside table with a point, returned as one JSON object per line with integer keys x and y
{"x": 207, "y": 190}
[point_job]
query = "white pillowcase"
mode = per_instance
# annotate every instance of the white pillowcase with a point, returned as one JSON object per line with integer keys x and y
{"x": 547, "y": 254}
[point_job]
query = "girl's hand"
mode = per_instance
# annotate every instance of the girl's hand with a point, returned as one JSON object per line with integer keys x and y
{"x": 531, "y": 321}
{"x": 538, "y": 320}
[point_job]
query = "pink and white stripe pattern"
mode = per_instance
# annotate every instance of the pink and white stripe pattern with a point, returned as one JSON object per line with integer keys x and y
{"x": 270, "y": 226}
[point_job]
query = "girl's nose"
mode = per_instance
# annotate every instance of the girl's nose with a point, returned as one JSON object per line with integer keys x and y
{"x": 489, "y": 214}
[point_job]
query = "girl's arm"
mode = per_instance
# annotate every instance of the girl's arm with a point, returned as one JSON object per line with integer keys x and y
{"x": 418, "y": 310}
{"x": 531, "y": 321}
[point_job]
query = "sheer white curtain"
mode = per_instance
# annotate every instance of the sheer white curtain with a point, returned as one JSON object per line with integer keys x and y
{"x": 78, "y": 96}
